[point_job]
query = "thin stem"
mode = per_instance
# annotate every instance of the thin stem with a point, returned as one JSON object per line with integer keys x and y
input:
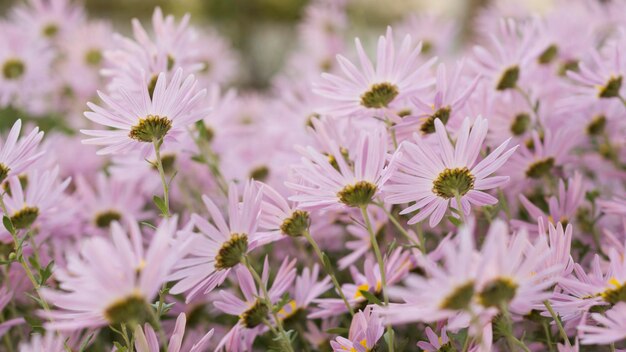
{"x": 381, "y": 267}
{"x": 211, "y": 162}
{"x": 268, "y": 303}
{"x": 159, "y": 164}
{"x": 557, "y": 321}
{"x": 511, "y": 340}
{"x": 548, "y": 333}
{"x": 457, "y": 198}
{"x": 621, "y": 98}
{"x": 420, "y": 235}
{"x": 328, "y": 270}
{"x": 397, "y": 224}
{"x": 392, "y": 132}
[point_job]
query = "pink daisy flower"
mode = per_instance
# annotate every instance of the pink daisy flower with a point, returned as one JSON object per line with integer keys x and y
{"x": 307, "y": 288}
{"x": 435, "y": 343}
{"x": 17, "y": 154}
{"x": 433, "y": 175}
{"x": 601, "y": 78}
{"x": 138, "y": 118}
{"x": 36, "y": 204}
{"x": 49, "y": 19}
{"x": 373, "y": 92}
{"x": 146, "y": 339}
{"x": 365, "y": 331}
{"x": 613, "y": 327}
{"x": 25, "y": 63}
{"x": 109, "y": 200}
{"x": 251, "y": 310}
{"x": 113, "y": 281}
{"x": 219, "y": 246}
{"x": 338, "y": 181}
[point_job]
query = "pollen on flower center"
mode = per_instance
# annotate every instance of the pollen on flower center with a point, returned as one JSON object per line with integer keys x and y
{"x": 616, "y": 294}
{"x": 379, "y": 95}
{"x": 153, "y": 127}
{"x": 288, "y": 310}
{"x": 13, "y": 69}
{"x": 254, "y": 315}
{"x": 358, "y": 194}
{"x": 24, "y": 217}
{"x": 508, "y": 79}
{"x": 133, "y": 308}
{"x": 93, "y": 57}
{"x": 460, "y": 298}
{"x": 611, "y": 88}
{"x": 232, "y": 251}
{"x": 104, "y": 219}
{"x": 520, "y": 124}
{"x": 540, "y": 168}
{"x": 50, "y": 30}
{"x": 451, "y": 182}
{"x": 428, "y": 126}
{"x": 296, "y": 224}
{"x": 4, "y": 172}
{"x": 497, "y": 292}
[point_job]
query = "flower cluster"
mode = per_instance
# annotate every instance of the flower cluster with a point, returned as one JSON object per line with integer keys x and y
{"x": 442, "y": 188}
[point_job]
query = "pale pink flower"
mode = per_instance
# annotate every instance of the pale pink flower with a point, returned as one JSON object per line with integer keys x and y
{"x": 373, "y": 91}
{"x": 17, "y": 154}
{"x": 146, "y": 339}
{"x": 613, "y": 327}
{"x": 365, "y": 331}
{"x": 432, "y": 174}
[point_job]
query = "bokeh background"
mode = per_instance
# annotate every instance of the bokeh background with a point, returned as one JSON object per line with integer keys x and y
{"x": 263, "y": 31}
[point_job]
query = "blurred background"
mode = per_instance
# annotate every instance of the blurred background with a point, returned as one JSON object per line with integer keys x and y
{"x": 263, "y": 31}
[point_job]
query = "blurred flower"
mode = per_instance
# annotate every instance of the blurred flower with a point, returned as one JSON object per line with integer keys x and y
{"x": 146, "y": 339}
{"x": 365, "y": 331}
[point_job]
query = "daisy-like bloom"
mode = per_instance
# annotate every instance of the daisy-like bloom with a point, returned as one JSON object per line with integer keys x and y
{"x": 373, "y": 92}
{"x": 279, "y": 218}
{"x": 451, "y": 93}
{"x": 142, "y": 57}
{"x": 219, "y": 246}
{"x": 601, "y": 78}
{"x": 113, "y": 281}
{"x": 25, "y": 69}
{"x": 17, "y": 154}
{"x": 541, "y": 156}
{"x": 35, "y": 204}
{"x": 435, "y": 343}
{"x": 146, "y": 339}
{"x": 514, "y": 273}
{"x": 433, "y": 177}
{"x": 613, "y": 327}
{"x": 342, "y": 178}
{"x": 49, "y": 19}
{"x": 512, "y": 52}
{"x": 365, "y": 331}
{"x": 5, "y": 298}
{"x": 434, "y": 31}
{"x": 615, "y": 206}
{"x": 252, "y": 310}
{"x": 109, "y": 200}
{"x": 560, "y": 209}
{"x": 137, "y": 119}
{"x": 448, "y": 288}
{"x": 601, "y": 287}
{"x": 397, "y": 266}
{"x": 306, "y": 289}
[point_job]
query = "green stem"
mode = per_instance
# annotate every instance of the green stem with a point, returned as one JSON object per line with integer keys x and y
{"x": 159, "y": 164}
{"x": 511, "y": 340}
{"x": 328, "y": 270}
{"x": 268, "y": 303}
{"x": 392, "y": 132}
{"x": 546, "y": 330}
{"x": 457, "y": 198}
{"x": 381, "y": 267}
{"x": 211, "y": 162}
{"x": 420, "y": 235}
{"x": 557, "y": 321}
{"x": 621, "y": 98}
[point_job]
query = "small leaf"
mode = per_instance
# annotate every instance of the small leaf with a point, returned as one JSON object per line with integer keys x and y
{"x": 6, "y": 221}
{"x": 327, "y": 266}
{"x": 370, "y": 297}
{"x": 160, "y": 203}
{"x": 455, "y": 221}
{"x": 45, "y": 273}
{"x": 145, "y": 223}
{"x": 338, "y": 331}
{"x": 282, "y": 302}
{"x": 199, "y": 159}
{"x": 35, "y": 324}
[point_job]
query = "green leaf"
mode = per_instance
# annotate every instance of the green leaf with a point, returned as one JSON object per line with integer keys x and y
{"x": 455, "y": 221}
{"x": 338, "y": 331}
{"x": 199, "y": 159}
{"x": 370, "y": 297}
{"x": 86, "y": 342}
{"x": 35, "y": 324}
{"x": 160, "y": 203}
{"x": 8, "y": 224}
{"x": 145, "y": 223}
{"x": 45, "y": 273}
{"x": 281, "y": 303}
